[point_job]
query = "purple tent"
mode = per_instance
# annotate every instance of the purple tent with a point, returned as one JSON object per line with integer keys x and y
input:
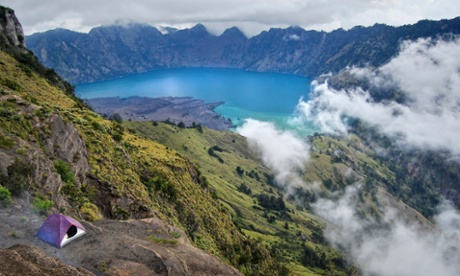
{"x": 58, "y": 230}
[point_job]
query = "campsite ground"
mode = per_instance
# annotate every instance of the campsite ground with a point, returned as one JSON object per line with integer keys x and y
{"x": 147, "y": 247}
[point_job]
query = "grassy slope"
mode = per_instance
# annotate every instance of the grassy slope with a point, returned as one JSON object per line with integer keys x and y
{"x": 336, "y": 162}
{"x": 303, "y": 227}
{"x": 120, "y": 164}
{"x": 176, "y": 193}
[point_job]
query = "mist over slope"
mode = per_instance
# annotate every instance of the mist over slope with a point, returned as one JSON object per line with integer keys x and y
{"x": 407, "y": 107}
{"x": 426, "y": 71}
{"x": 114, "y": 51}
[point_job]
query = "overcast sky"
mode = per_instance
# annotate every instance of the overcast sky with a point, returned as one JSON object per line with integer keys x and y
{"x": 250, "y": 16}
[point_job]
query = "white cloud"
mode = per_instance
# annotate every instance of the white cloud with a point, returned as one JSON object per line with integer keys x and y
{"x": 250, "y": 16}
{"x": 393, "y": 247}
{"x": 281, "y": 152}
{"x": 427, "y": 72}
{"x": 293, "y": 37}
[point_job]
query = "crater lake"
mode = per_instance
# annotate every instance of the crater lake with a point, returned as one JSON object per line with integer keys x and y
{"x": 270, "y": 97}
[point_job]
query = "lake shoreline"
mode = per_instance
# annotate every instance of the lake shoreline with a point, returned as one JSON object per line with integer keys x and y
{"x": 187, "y": 110}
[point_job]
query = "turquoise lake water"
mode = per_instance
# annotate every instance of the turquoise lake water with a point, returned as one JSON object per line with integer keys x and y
{"x": 263, "y": 96}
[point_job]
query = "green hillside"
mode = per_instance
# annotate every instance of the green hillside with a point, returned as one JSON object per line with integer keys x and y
{"x": 238, "y": 179}
{"x": 61, "y": 156}
{"x": 64, "y": 157}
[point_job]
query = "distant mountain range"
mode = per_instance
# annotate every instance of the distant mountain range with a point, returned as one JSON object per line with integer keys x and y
{"x": 113, "y": 51}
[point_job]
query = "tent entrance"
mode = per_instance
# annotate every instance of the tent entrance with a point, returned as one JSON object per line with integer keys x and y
{"x": 72, "y": 231}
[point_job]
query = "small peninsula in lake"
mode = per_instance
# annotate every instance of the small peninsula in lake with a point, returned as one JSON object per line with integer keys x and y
{"x": 174, "y": 109}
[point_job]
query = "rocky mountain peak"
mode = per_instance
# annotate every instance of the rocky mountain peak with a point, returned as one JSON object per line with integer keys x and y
{"x": 199, "y": 29}
{"x": 233, "y": 32}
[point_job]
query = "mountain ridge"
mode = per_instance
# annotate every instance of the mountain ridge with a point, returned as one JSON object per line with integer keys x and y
{"x": 114, "y": 51}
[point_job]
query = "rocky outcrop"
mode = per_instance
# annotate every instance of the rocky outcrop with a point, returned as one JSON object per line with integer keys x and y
{"x": 27, "y": 160}
{"x": 114, "y": 51}
{"x": 11, "y": 32}
{"x": 30, "y": 260}
{"x": 132, "y": 247}
{"x": 66, "y": 143}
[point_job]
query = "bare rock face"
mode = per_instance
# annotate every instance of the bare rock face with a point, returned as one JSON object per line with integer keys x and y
{"x": 110, "y": 247}
{"x": 30, "y": 260}
{"x": 11, "y": 29}
{"x": 67, "y": 144}
{"x": 26, "y": 164}
{"x": 143, "y": 247}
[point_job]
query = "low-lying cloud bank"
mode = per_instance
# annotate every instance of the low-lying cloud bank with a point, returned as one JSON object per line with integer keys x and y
{"x": 389, "y": 247}
{"x": 426, "y": 71}
{"x": 394, "y": 247}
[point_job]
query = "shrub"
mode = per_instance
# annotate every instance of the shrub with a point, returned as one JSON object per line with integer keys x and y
{"x": 6, "y": 142}
{"x": 116, "y": 117}
{"x": 245, "y": 189}
{"x": 90, "y": 212}
{"x": 5, "y": 195}
{"x": 156, "y": 181}
{"x": 63, "y": 168}
{"x": 18, "y": 176}
{"x": 42, "y": 205}
{"x": 74, "y": 194}
{"x": 239, "y": 171}
{"x": 211, "y": 152}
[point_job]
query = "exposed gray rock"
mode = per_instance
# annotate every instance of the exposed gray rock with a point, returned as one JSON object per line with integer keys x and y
{"x": 67, "y": 144}
{"x": 11, "y": 29}
{"x": 29, "y": 260}
{"x": 132, "y": 247}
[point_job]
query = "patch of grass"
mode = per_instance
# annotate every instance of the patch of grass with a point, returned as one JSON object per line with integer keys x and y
{"x": 6, "y": 142}
{"x": 10, "y": 84}
{"x": 5, "y": 195}
{"x": 90, "y": 212}
{"x": 21, "y": 151}
{"x": 42, "y": 205}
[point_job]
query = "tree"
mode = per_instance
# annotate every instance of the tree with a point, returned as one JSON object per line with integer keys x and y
{"x": 244, "y": 189}
{"x": 239, "y": 171}
{"x": 116, "y": 117}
